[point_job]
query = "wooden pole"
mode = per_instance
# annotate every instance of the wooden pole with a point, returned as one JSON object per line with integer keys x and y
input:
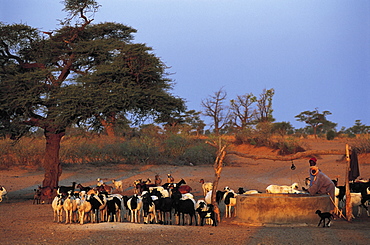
{"x": 348, "y": 191}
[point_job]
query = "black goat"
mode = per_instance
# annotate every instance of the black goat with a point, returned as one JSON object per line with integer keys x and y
{"x": 114, "y": 206}
{"x": 149, "y": 208}
{"x": 65, "y": 189}
{"x": 323, "y": 216}
{"x": 209, "y": 213}
{"x": 98, "y": 203}
{"x": 183, "y": 207}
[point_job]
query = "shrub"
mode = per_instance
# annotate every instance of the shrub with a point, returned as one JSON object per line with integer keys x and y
{"x": 330, "y": 135}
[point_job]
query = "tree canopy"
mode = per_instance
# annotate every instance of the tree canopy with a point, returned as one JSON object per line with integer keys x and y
{"x": 80, "y": 72}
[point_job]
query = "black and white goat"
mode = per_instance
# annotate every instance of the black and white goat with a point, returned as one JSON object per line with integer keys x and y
{"x": 57, "y": 206}
{"x": 149, "y": 208}
{"x": 135, "y": 205}
{"x": 115, "y": 207}
{"x": 98, "y": 205}
{"x": 206, "y": 212}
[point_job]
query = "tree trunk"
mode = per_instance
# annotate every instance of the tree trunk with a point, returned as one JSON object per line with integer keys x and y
{"x": 218, "y": 168}
{"x": 109, "y": 128}
{"x": 348, "y": 191}
{"x": 52, "y": 166}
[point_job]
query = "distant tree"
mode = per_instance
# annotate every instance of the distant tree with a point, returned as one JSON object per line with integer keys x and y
{"x": 264, "y": 106}
{"x": 358, "y": 128}
{"x": 283, "y": 128}
{"x": 80, "y": 72}
{"x": 242, "y": 113}
{"x": 314, "y": 118}
{"x": 217, "y": 110}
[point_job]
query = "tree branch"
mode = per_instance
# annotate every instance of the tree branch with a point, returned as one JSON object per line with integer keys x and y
{"x": 289, "y": 157}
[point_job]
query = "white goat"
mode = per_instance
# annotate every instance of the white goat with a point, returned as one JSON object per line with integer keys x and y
{"x": 356, "y": 202}
{"x": 206, "y": 186}
{"x": 3, "y": 193}
{"x": 83, "y": 207}
{"x": 57, "y": 206}
{"x": 118, "y": 185}
{"x": 282, "y": 188}
{"x": 135, "y": 208}
{"x": 70, "y": 207}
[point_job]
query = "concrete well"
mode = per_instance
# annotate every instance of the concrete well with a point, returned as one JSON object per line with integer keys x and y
{"x": 263, "y": 209}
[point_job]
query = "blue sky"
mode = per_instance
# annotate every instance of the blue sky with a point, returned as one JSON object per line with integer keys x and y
{"x": 315, "y": 54}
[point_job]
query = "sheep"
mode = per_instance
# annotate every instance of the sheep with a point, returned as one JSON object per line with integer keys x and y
{"x": 206, "y": 186}
{"x": 57, "y": 206}
{"x": 282, "y": 189}
{"x": 3, "y": 193}
{"x": 135, "y": 205}
{"x": 118, "y": 185}
{"x": 70, "y": 207}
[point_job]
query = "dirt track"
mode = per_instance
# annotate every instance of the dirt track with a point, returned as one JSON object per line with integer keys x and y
{"x": 21, "y": 222}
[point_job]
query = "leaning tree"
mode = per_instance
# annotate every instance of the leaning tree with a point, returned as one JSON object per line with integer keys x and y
{"x": 79, "y": 72}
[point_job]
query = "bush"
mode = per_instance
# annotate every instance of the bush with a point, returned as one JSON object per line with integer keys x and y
{"x": 290, "y": 146}
{"x": 330, "y": 135}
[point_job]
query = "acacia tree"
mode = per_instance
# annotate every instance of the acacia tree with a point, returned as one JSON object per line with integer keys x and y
{"x": 215, "y": 108}
{"x": 315, "y": 119}
{"x": 42, "y": 78}
{"x": 264, "y": 104}
{"x": 241, "y": 109}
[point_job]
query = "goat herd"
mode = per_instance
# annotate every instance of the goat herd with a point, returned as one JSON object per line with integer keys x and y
{"x": 159, "y": 203}
{"x": 153, "y": 203}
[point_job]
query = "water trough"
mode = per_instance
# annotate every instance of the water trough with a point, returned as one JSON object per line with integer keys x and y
{"x": 280, "y": 209}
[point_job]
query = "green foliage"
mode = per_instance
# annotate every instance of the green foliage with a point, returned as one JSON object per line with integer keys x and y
{"x": 199, "y": 154}
{"x": 330, "y": 135}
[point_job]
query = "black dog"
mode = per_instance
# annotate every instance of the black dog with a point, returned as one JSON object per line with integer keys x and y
{"x": 324, "y": 216}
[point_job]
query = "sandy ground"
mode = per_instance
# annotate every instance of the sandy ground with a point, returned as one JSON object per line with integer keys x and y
{"x": 21, "y": 222}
